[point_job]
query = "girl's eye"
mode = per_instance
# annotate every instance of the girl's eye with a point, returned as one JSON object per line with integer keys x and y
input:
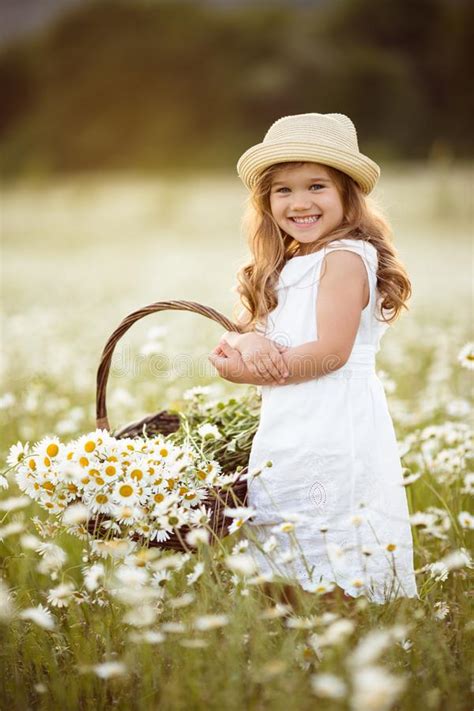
{"x": 312, "y": 186}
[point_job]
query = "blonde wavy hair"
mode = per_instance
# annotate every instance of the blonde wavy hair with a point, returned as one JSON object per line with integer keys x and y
{"x": 271, "y": 248}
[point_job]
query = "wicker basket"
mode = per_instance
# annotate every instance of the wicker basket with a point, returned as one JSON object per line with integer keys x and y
{"x": 164, "y": 422}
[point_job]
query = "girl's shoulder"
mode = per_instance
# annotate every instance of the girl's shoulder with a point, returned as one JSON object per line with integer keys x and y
{"x": 360, "y": 246}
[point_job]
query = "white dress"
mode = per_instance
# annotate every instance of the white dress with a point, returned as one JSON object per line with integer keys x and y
{"x": 336, "y": 472}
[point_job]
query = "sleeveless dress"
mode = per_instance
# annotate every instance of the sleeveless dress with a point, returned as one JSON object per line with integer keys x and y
{"x": 336, "y": 476}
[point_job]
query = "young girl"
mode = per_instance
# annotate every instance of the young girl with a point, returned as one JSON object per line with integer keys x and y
{"x": 323, "y": 285}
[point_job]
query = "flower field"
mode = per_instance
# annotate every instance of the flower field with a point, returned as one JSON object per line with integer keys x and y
{"x": 110, "y": 621}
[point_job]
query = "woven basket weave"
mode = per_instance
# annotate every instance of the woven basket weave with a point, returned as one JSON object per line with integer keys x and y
{"x": 165, "y": 423}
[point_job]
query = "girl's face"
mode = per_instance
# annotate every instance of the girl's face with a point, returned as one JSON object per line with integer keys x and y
{"x": 305, "y": 203}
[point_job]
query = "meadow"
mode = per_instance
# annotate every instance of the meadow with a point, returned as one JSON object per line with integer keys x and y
{"x": 83, "y": 626}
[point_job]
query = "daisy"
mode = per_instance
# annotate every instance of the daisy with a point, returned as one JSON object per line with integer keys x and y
{"x": 241, "y": 563}
{"x": 466, "y": 356}
{"x": 466, "y": 520}
{"x": 196, "y": 536}
{"x": 126, "y": 515}
{"x": 138, "y": 473}
{"x": 13, "y": 503}
{"x": 17, "y": 453}
{"x": 208, "y": 431}
{"x": 49, "y": 451}
{"x": 60, "y": 596}
{"x": 40, "y": 615}
{"x": 76, "y": 513}
{"x": 195, "y": 392}
{"x": 328, "y": 686}
{"x": 108, "y": 670}
{"x": 111, "y": 468}
{"x": 92, "y": 575}
{"x": 126, "y": 492}
{"x": 210, "y": 622}
{"x": 196, "y": 573}
{"x": 99, "y": 502}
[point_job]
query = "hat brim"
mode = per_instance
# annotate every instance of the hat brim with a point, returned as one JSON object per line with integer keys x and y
{"x": 361, "y": 168}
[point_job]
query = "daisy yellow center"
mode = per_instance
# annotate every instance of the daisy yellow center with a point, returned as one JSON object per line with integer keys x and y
{"x": 391, "y": 547}
{"x": 99, "y": 480}
{"x": 101, "y": 498}
{"x": 94, "y": 472}
{"x": 171, "y": 483}
{"x": 126, "y": 490}
{"x": 32, "y": 464}
{"x": 48, "y": 486}
{"x": 110, "y": 470}
{"x": 89, "y": 446}
{"x": 164, "y": 452}
{"x": 158, "y": 498}
{"x": 83, "y": 461}
{"x": 137, "y": 474}
{"x": 47, "y": 462}
{"x": 52, "y": 449}
{"x": 200, "y": 474}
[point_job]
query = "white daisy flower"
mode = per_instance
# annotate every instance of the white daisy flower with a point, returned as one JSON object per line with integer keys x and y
{"x": 40, "y": 615}
{"x": 209, "y": 431}
{"x": 328, "y": 686}
{"x": 61, "y": 595}
{"x": 98, "y": 502}
{"x": 466, "y": 520}
{"x": 210, "y": 622}
{"x": 466, "y": 356}
{"x": 196, "y": 536}
{"x": 126, "y": 492}
{"x": 49, "y": 451}
{"x": 196, "y": 573}
{"x": 195, "y": 392}
{"x": 92, "y": 576}
{"x": 17, "y": 453}
{"x": 109, "y": 670}
{"x": 375, "y": 688}
{"x": 241, "y": 563}
{"x": 13, "y": 503}
{"x": 75, "y": 513}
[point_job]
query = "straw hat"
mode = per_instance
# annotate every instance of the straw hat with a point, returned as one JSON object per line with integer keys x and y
{"x": 330, "y": 139}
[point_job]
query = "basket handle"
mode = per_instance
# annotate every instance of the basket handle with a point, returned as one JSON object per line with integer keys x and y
{"x": 102, "y": 421}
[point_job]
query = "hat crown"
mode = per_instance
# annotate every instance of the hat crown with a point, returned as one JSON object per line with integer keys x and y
{"x": 325, "y": 129}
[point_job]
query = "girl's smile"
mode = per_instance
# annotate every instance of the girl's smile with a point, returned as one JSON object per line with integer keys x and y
{"x": 305, "y": 203}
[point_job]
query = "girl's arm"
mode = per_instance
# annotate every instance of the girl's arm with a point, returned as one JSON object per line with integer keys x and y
{"x": 343, "y": 293}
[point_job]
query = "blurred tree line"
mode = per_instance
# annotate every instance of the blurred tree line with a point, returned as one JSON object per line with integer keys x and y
{"x": 177, "y": 85}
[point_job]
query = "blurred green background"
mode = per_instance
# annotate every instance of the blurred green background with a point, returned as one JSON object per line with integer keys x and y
{"x": 175, "y": 85}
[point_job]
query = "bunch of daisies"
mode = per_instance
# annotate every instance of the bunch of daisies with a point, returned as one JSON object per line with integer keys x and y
{"x": 145, "y": 486}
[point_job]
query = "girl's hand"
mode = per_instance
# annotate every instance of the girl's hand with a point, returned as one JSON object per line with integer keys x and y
{"x": 262, "y": 356}
{"x": 228, "y": 362}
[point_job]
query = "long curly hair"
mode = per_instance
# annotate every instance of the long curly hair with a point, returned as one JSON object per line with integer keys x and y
{"x": 271, "y": 247}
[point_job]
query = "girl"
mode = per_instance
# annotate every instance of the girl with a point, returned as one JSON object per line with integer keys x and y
{"x": 323, "y": 285}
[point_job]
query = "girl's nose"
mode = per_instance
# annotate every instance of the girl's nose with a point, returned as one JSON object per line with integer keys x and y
{"x": 301, "y": 201}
